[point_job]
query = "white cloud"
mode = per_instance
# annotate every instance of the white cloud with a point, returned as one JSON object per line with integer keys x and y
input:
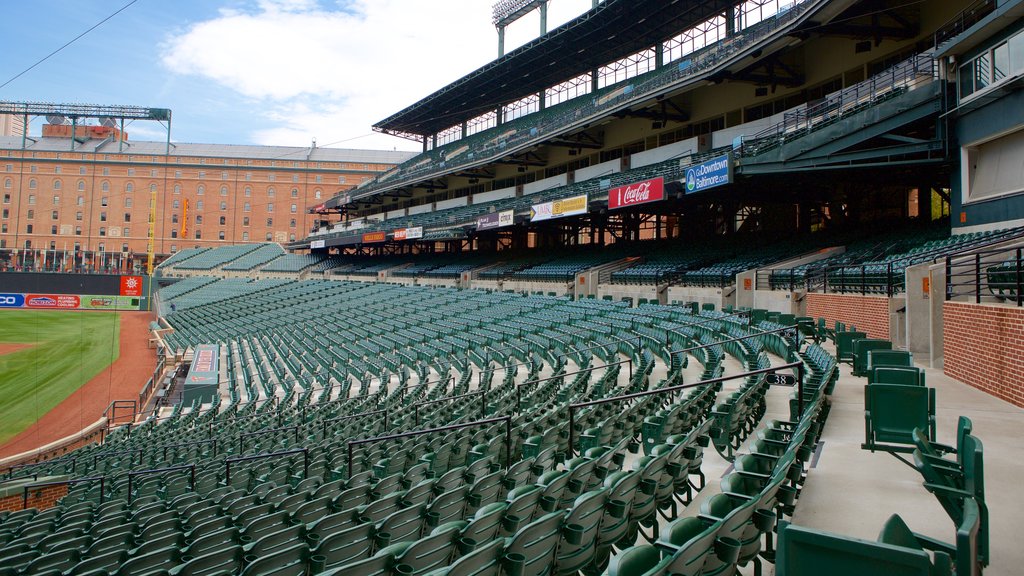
{"x": 311, "y": 69}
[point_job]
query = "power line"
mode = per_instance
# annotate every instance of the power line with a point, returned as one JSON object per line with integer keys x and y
{"x": 69, "y": 43}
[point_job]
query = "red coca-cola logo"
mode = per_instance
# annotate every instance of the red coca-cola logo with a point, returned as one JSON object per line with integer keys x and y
{"x": 637, "y": 193}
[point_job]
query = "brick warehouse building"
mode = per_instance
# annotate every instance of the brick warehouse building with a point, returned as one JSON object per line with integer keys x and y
{"x": 85, "y": 203}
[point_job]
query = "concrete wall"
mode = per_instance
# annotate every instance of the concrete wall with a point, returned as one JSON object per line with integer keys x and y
{"x": 494, "y": 195}
{"x": 597, "y": 170}
{"x": 634, "y": 291}
{"x": 718, "y": 296}
{"x": 443, "y": 282}
{"x": 421, "y": 209}
{"x": 545, "y": 184}
{"x": 984, "y": 347}
{"x": 661, "y": 153}
{"x": 453, "y": 203}
{"x": 780, "y": 301}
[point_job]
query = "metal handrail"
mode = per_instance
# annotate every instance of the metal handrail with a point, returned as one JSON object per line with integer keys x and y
{"x": 794, "y": 328}
{"x": 229, "y": 461}
{"x": 519, "y": 387}
{"x": 244, "y": 435}
{"x": 481, "y": 393}
{"x": 964, "y": 20}
{"x": 977, "y": 264}
{"x": 671, "y": 389}
{"x": 839, "y": 103}
{"x": 354, "y": 416}
{"x": 508, "y": 436}
{"x": 212, "y": 441}
{"x": 134, "y": 473}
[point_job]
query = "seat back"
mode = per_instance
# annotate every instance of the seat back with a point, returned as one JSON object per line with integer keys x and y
{"x": 892, "y": 411}
{"x": 908, "y": 376}
{"x": 895, "y": 358}
{"x": 861, "y": 349}
{"x": 807, "y": 552}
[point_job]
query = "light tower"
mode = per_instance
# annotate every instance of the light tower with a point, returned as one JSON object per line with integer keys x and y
{"x": 506, "y": 12}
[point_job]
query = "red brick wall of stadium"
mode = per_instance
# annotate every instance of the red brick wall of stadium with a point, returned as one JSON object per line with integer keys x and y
{"x": 984, "y": 348}
{"x": 41, "y": 499}
{"x": 870, "y": 314}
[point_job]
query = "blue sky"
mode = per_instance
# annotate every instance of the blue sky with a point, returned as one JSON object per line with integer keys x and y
{"x": 275, "y": 72}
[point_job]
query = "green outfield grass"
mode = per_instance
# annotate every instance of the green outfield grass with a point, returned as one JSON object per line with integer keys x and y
{"x": 66, "y": 349}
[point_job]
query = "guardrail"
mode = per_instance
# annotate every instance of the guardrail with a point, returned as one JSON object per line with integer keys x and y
{"x": 328, "y": 421}
{"x": 672, "y": 389}
{"x": 244, "y": 435}
{"x": 133, "y": 474}
{"x": 964, "y": 20}
{"x": 508, "y": 437}
{"x": 916, "y": 70}
{"x": 1000, "y": 271}
{"x": 519, "y": 387}
{"x": 481, "y": 393}
{"x": 229, "y": 461}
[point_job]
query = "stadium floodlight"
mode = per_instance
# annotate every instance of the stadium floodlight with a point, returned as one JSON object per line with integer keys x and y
{"x": 505, "y": 12}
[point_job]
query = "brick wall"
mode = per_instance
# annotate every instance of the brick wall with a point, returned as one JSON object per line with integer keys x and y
{"x": 984, "y": 348}
{"x": 870, "y": 314}
{"x": 41, "y": 498}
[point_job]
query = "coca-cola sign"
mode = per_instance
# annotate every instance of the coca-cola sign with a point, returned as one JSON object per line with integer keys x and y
{"x": 651, "y": 190}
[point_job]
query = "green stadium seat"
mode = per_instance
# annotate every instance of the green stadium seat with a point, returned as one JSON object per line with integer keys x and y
{"x": 893, "y": 411}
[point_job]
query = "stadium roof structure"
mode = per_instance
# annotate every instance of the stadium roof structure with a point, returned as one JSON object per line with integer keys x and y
{"x": 610, "y": 31}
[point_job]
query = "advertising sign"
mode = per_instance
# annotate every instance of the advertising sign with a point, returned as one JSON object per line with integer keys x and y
{"x": 637, "y": 193}
{"x": 131, "y": 285}
{"x": 314, "y": 244}
{"x": 571, "y": 206}
{"x": 487, "y": 221}
{"x": 714, "y": 172}
{"x": 399, "y": 234}
{"x": 496, "y": 220}
{"x": 11, "y": 300}
{"x": 414, "y": 233}
{"x": 109, "y": 303}
{"x": 372, "y": 237}
{"x": 51, "y": 301}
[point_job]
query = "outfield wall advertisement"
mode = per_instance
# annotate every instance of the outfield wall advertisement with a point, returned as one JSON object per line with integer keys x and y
{"x": 69, "y": 301}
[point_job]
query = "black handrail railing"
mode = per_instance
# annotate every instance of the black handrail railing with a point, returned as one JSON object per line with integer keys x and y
{"x": 835, "y": 105}
{"x": 671, "y": 389}
{"x": 1001, "y": 271}
{"x": 328, "y": 421}
{"x": 229, "y": 461}
{"x": 96, "y": 458}
{"x": 508, "y": 437}
{"x": 964, "y": 20}
{"x": 27, "y": 488}
{"x": 190, "y": 467}
{"x": 481, "y": 393}
{"x": 212, "y": 441}
{"x": 792, "y": 328}
{"x": 58, "y": 460}
{"x": 519, "y": 387}
{"x": 111, "y": 410}
{"x": 244, "y": 435}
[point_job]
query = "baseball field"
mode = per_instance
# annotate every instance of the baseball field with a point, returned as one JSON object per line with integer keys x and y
{"x": 45, "y": 356}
